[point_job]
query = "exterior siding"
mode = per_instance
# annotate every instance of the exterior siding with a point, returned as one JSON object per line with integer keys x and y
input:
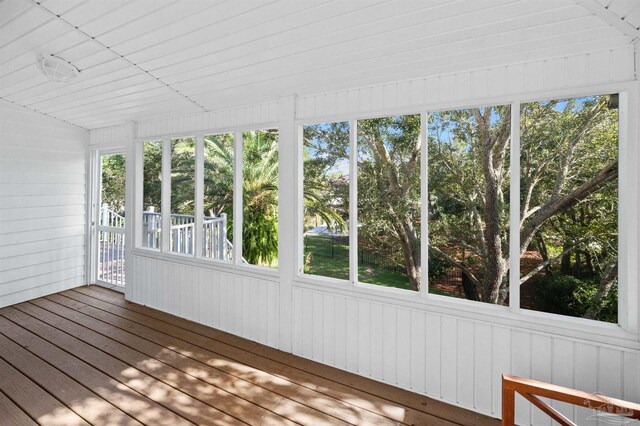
{"x": 42, "y": 205}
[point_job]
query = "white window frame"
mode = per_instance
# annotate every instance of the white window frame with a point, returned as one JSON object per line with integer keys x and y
{"x": 628, "y": 181}
{"x": 196, "y": 259}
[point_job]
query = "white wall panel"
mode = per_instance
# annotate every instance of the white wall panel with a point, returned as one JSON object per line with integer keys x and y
{"x": 614, "y": 65}
{"x": 42, "y": 205}
{"x": 253, "y": 115}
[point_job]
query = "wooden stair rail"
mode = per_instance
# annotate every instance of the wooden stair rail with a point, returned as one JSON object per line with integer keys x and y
{"x": 532, "y": 390}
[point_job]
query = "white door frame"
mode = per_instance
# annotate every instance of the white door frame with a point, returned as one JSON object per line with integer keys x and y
{"x": 95, "y": 191}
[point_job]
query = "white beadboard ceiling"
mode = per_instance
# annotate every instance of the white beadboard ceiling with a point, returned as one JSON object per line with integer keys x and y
{"x": 155, "y": 58}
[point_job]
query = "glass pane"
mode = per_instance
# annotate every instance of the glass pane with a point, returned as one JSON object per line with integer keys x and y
{"x": 569, "y": 205}
{"x": 182, "y": 194}
{"x": 469, "y": 203}
{"x": 326, "y": 200}
{"x": 151, "y": 194}
{"x": 389, "y": 201}
{"x": 260, "y": 198}
{"x": 218, "y": 197}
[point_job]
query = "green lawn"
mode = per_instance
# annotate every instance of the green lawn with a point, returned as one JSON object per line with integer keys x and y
{"x": 338, "y": 266}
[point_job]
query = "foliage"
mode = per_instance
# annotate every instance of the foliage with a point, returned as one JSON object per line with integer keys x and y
{"x": 389, "y": 190}
{"x": 113, "y": 182}
{"x": 260, "y": 196}
{"x": 152, "y": 175}
{"x": 568, "y": 295}
{"x": 326, "y": 184}
{"x": 183, "y": 164}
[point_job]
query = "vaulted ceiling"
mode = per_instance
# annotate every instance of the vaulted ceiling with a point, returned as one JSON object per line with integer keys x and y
{"x": 152, "y": 58}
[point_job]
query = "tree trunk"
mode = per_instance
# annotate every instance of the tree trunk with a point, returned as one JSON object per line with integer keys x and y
{"x": 470, "y": 290}
{"x": 410, "y": 251}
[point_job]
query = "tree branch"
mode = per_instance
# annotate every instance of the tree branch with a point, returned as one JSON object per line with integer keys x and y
{"x": 554, "y": 206}
{"x": 547, "y": 262}
{"x": 454, "y": 262}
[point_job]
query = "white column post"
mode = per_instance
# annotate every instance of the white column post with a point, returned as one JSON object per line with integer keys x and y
{"x": 287, "y": 247}
{"x": 131, "y": 206}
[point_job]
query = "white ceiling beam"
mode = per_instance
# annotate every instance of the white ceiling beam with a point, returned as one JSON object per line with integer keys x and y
{"x": 610, "y": 18}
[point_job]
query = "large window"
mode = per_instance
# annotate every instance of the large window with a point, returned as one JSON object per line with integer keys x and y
{"x": 182, "y": 195}
{"x": 260, "y": 198}
{"x": 468, "y": 203}
{"x": 537, "y": 228}
{"x": 389, "y": 151}
{"x": 217, "y": 233}
{"x": 151, "y": 194}
{"x": 326, "y": 200}
{"x": 569, "y": 207}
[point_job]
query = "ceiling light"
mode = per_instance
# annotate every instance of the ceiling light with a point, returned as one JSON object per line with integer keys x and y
{"x": 57, "y": 69}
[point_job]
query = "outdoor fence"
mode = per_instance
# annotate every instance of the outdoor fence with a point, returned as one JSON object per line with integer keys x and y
{"x": 111, "y": 248}
{"x": 215, "y": 244}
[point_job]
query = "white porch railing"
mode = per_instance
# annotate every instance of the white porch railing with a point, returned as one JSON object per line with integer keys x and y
{"x": 111, "y": 248}
{"x": 215, "y": 244}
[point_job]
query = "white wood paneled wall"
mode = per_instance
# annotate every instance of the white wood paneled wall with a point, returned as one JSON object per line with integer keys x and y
{"x": 450, "y": 358}
{"x": 240, "y": 304}
{"x": 255, "y": 115}
{"x": 454, "y": 358}
{"x": 42, "y": 205}
{"x": 475, "y": 86}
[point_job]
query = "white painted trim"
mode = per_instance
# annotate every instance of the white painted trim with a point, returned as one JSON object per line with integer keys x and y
{"x": 259, "y": 274}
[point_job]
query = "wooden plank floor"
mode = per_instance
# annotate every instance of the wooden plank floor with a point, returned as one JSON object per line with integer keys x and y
{"x": 87, "y": 356}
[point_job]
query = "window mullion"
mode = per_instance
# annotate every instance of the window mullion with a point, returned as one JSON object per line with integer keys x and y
{"x": 353, "y": 202}
{"x": 198, "y": 201}
{"x": 424, "y": 204}
{"x": 166, "y": 195}
{"x": 237, "y": 198}
{"x": 514, "y": 210}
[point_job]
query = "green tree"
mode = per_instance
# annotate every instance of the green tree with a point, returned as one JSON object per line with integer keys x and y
{"x": 113, "y": 178}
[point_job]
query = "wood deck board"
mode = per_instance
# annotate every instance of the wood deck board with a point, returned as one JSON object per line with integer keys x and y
{"x": 324, "y": 377}
{"x": 138, "y": 406}
{"x": 148, "y": 327}
{"x": 87, "y": 356}
{"x": 12, "y": 415}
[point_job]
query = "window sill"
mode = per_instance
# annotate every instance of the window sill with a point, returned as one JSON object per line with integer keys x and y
{"x": 531, "y": 321}
{"x": 252, "y": 271}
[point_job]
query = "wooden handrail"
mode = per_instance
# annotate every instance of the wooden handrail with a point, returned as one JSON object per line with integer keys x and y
{"x": 532, "y": 390}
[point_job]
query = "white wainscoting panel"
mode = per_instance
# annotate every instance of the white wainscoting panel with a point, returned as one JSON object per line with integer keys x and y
{"x": 239, "y": 304}
{"x": 459, "y": 361}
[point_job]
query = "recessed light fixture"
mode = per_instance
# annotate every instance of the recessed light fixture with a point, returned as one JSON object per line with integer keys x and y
{"x": 57, "y": 69}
